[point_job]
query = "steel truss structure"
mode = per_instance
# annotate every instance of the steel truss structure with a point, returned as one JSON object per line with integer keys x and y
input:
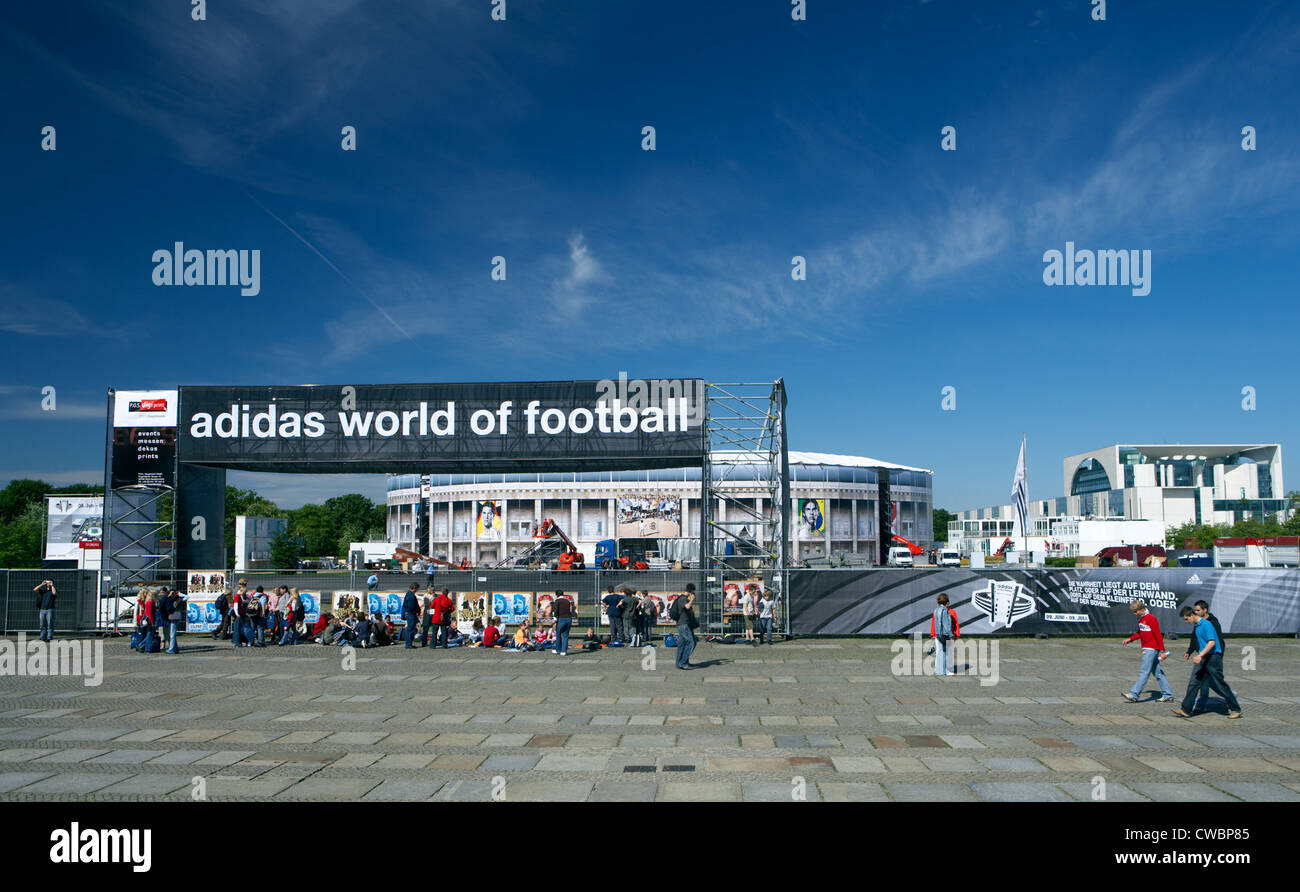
{"x": 745, "y": 430}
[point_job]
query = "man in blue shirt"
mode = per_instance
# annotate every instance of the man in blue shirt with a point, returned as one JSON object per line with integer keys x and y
{"x": 45, "y": 597}
{"x": 615, "y": 614}
{"x": 1209, "y": 667}
{"x": 410, "y": 614}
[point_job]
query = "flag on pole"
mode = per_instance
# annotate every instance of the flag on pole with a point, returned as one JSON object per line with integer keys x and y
{"x": 1020, "y": 496}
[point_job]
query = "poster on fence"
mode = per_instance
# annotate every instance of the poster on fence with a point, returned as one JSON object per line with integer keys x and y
{"x": 201, "y": 590}
{"x": 734, "y": 594}
{"x": 546, "y": 605}
{"x": 469, "y": 607}
{"x": 513, "y": 607}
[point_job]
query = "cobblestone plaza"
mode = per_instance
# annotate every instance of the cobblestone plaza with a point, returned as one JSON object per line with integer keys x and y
{"x": 823, "y": 720}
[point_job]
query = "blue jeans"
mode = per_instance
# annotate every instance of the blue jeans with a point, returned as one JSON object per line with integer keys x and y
{"x": 174, "y": 638}
{"x": 236, "y": 630}
{"x": 941, "y": 656}
{"x": 47, "y": 624}
{"x": 290, "y": 634}
{"x": 444, "y": 633}
{"x": 259, "y": 625}
{"x": 1151, "y": 663}
{"x": 685, "y": 645}
{"x": 765, "y": 629}
{"x": 562, "y": 627}
{"x": 408, "y": 632}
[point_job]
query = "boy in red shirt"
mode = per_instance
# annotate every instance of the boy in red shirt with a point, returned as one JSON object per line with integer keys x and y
{"x": 1153, "y": 652}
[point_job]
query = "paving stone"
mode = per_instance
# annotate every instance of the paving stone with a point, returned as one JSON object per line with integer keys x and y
{"x": 509, "y": 763}
{"x": 623, "y": 791}
{"x": 913, "y": 792}
{"x": 1114, "y": 792}
{"x": 355, "y": 738}
{"x": 21, "y": 755}
{"x": 222, "y": 788}
{"x": 457, "y": 762}
{"x": 698, "y": 791}
{"x": 566, "y": 762}
{"x": 13, "y": 780}
{"x": 858, "y": 764}
{"x": 67, "y": 783}
{"x": 331, "y": 788}
{"x": 68, "y": 757}
{"x": 148, "y": 785}
{"x": 1072, "y": 763}
{"x": 992, "y": 791}
{"x": 1258, "y": 792}
{"x": 1013, "y": 764}
{"x": 836, "y": 792}
{"x": 1184, "y": 792}
{"x": 1235, "y": 765}
{"x": 393, "y": 790}
{"x": 746, "y": 764}
{"x": 1168, "y": 763}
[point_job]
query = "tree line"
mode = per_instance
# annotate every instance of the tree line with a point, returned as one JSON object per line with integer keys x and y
{"x": 315, "y": 531}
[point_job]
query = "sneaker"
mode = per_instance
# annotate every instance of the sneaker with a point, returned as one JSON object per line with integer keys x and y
{"x": 1166, "y": 699}
{"x": 1130, "y": 698}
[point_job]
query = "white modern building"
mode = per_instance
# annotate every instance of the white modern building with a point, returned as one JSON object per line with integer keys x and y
{"x": 1133, "y": 494}
{"x": 253, "y": 537}
{"x": 484, "y": 518}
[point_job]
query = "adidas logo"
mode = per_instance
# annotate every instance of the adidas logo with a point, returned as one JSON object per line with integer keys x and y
{"x": 1195, "y": 580}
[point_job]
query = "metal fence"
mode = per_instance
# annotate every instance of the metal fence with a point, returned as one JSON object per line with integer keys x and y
{"x": 103, "y": 601}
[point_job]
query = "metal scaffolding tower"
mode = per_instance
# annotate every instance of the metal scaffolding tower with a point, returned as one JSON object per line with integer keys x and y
{"x": 746, "y": 450}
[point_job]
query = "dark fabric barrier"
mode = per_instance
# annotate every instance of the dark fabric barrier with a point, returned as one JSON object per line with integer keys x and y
{"x": 1026, "y": 602}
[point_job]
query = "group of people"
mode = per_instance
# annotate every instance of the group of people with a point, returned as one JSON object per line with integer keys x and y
{"x": 248, "y": 617}
{"x": 159, "y": 612}
{"x": 1205, "y": 651}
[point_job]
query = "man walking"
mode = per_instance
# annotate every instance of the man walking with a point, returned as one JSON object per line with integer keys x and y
{"x": 683, "y": 613}
{"x": 45, "y": 595}
{"x": 410, "y": 615}
{"x": 1153, "y": 653}
{"x": 1202, "y": 608}
{"x": 426, "y": 618}
{"x": 238, "y": 602}
{"x": 1209, "y": 671}
{"x": 563, "y": 610}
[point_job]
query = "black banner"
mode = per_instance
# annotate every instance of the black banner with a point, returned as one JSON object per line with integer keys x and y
{"x": 552, "y": 426}
{"x": 1026, "y": 602}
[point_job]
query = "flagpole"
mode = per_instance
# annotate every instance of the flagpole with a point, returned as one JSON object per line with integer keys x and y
{"x": 1024, "y": 440}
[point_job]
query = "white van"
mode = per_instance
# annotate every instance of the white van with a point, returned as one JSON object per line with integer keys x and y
{"x": 900, "y": 556}
{"x": 949, "y": 557}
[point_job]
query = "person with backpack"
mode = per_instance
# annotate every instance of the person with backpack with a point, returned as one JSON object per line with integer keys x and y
{"x": 410, "y": 615}
{"x": 1153, "y": 653}
{"x": 683, "y": 614}
{"x": 443, "y": 608}
{"x": 223, "y": 610}
{"x": 614, "y": 613}
{"x": 238, "y": 602}
{"x": 144, "y": 621}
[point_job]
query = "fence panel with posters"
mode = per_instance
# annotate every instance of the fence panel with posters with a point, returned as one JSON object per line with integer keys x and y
{"x": 1027, "y": 602}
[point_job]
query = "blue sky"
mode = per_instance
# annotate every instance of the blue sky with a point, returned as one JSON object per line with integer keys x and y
{"x": 775, "y": 138}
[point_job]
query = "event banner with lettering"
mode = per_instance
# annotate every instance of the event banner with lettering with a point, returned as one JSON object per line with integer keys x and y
{"x": 1027, "y": 602}
{"x": 144, "y": 438}
{"x": 555, "y": 425}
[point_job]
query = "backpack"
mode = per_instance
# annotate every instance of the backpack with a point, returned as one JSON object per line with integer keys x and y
{"x": 222, "y": 603}
{"x": 675, "y": 611}
{"x": 253, "y": 609}
{"x": 942, "y": 623}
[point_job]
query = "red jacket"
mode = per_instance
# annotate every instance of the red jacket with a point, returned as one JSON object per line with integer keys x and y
{"x": 956, "y": 629}
{"x": 1149, "y": 632}
{"x": 442, "y": 610}
{"x": 490, "y": 636}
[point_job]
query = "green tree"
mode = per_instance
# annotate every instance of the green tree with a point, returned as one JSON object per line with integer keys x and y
{"x": 286, "y": 549}
{"x": 318, "y": 528}
{"x": 20, "y": 539}
{"x": 942, "y": 517}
